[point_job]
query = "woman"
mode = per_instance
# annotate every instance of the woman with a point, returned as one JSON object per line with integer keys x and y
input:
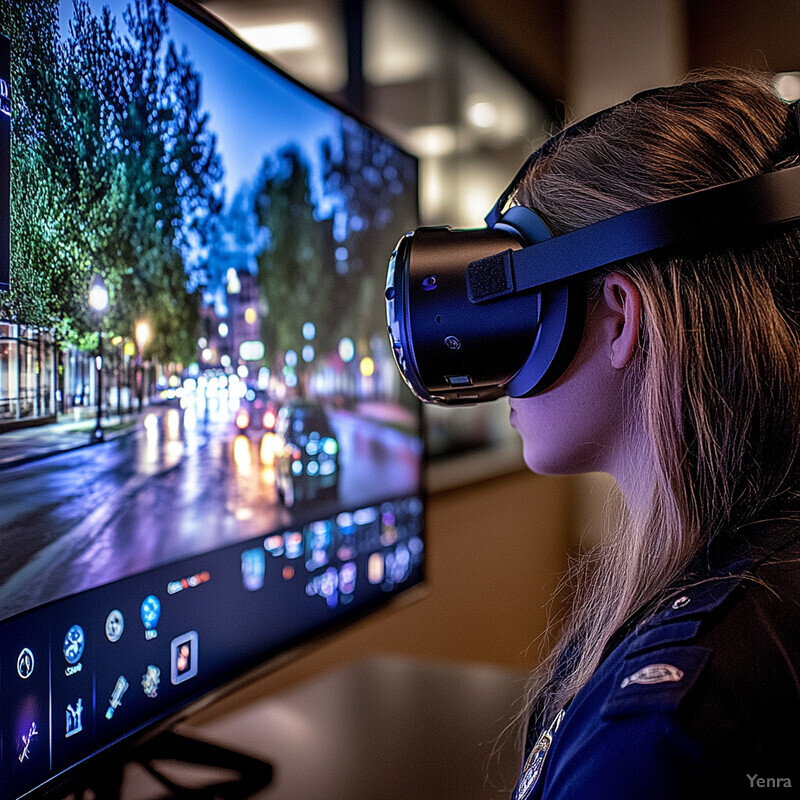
{"x": 678, "y": 669}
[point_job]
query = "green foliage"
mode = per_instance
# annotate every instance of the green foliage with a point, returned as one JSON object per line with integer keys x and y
{"x": 114, "y": 170}
{"x": 364, "y": 170}
{"x": 293, "y": 271}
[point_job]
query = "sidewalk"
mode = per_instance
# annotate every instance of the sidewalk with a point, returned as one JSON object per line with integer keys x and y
{"x": 32, "y": 444}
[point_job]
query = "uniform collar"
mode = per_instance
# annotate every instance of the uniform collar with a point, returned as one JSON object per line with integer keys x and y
{"x": 742, "y": 551}
{"x": 712, "y": 574}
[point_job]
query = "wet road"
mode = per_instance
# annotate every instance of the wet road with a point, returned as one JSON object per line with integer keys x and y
{"x": 174, "y": 487}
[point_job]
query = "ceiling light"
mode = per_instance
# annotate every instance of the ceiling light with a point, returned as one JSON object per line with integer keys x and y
{"x": 281, "y": 37}
{"x": 787, "y": 84}
{"x": 483, "y": 114}
{"x": 432, "y": 140}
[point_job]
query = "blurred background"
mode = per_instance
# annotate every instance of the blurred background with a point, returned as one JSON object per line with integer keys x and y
{"x": 471, "y": 87}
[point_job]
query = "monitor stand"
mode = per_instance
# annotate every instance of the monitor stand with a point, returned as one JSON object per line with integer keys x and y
{"x": 251, "y": 774}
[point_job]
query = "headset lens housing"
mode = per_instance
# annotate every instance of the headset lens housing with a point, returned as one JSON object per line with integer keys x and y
{"x": 451, "y": 351}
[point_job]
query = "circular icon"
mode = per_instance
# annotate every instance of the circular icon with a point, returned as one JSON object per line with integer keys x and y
{"x": 25, "y": 663}
{"x": 151, "y": 611}
{"x": 74, "y": 643}
{"x": 115, "y": 625}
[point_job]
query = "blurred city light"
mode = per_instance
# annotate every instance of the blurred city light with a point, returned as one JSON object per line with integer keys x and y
{"x": 367, "y": 367}
{"x": 98, "y": 294}
{"x": 347, "y": 350}
{"x": 252, "y": 350}
{"x": 173, "y": 424}
{"x": 234, "y": 284}
{"x": 242, "y": 456}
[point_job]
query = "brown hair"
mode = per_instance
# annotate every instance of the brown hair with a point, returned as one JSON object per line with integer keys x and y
{"x": 716, "y": 379}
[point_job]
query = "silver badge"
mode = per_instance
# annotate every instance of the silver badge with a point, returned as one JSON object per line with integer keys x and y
{"x": 535, "y": 760}
{"x": 653, "y": 673}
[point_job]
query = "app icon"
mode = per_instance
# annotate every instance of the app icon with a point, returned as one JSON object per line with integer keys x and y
{"x": 347, "y": 578}
{"x": 398, "y": 564}
{"x": 150, "y": 612}
{"x": 74, "y": 642}
{"x": 318, "y": 542}
{"x": 150, "y": 681}
{"x": 115, "y": 625}
{"x": 26, "y": 742}
{"x": 375, "y": 568}
{"x": 294, "y": 544}
{"x": 274, "y": 545}
{"x": 75, "y": 718}
{"x": 184, "y": 657}
{"x": 115, "y": 702}
{"x": 253, "y": 569}
{"x": 25, "y": 663}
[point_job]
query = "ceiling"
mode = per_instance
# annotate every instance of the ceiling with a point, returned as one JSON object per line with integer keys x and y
{"x": 531, "y": 38}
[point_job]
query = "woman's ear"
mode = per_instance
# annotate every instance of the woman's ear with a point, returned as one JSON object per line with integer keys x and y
{"x": 623, "y": 302}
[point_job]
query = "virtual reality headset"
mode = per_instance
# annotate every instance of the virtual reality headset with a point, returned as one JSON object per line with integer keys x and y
{"x": 477, "y": 314}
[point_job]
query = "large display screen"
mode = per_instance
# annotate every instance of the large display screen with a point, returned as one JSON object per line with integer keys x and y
{"x": 212, "y": 460}
{"x": 5, "y": 158}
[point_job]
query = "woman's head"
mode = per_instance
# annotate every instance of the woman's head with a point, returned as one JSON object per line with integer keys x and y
{"x": 713, "y": 387}
{"x": 716, "y": 375}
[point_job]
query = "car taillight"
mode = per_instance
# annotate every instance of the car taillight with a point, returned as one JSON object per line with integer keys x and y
{"x": 242, "y": 419}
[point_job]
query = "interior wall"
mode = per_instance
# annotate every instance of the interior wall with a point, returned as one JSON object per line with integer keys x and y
{"x": 743, "y": 33}
{"x": 616, "y": 48}
{"x": 496, "y": 550}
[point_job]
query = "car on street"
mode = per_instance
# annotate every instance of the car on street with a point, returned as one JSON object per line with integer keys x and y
{"x": 306, "y": 453}
{"x": 256, "y": 411}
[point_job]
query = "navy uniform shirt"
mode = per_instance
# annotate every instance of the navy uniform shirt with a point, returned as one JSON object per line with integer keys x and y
{"x": 702, "y": 699}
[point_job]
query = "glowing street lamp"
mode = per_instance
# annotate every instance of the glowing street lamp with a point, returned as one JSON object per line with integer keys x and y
{"x": 142, "y": 335}
{"x": 98, "y": 302}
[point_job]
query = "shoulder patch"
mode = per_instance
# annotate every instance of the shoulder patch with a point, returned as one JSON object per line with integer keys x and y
{"x": 655, "y": 681}
{"x": 653, "y": 673}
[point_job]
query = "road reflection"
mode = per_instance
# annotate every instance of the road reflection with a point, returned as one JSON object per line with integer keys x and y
{"x": 183, "y": 482}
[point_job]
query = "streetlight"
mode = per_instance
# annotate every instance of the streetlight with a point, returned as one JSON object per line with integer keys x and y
{"x": 142, "y": 335}
{"x": 98, "y": 301}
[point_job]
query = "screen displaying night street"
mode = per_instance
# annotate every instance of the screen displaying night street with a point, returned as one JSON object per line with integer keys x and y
{"x": 195, "y": 318}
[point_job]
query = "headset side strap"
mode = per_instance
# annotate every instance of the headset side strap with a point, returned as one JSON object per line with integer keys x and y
{"x": 706, "y": 216}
